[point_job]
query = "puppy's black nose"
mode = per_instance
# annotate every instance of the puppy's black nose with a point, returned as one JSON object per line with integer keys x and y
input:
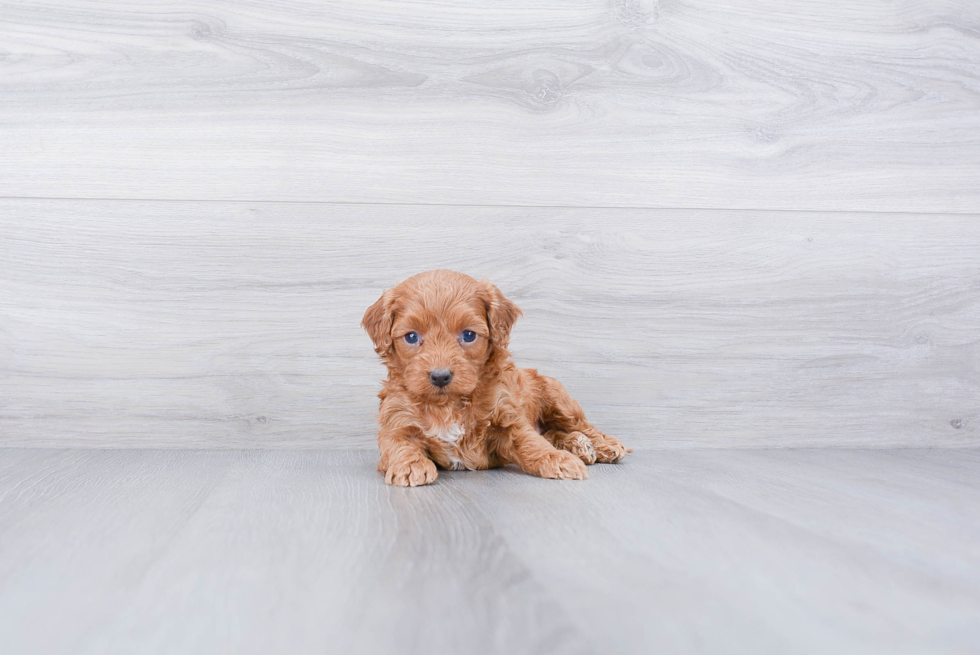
{"x": 441, "y": 377}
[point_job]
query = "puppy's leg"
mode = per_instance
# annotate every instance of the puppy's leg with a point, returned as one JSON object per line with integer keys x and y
{"x": 404, "y": 460}
{"x": 522, "y": 445}
{"x": 574, "y": 442}
{"x": 608, "y": 450}
{"x": 565, "y": 420}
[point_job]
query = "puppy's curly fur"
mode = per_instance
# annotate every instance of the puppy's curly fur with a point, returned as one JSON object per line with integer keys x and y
{"x": 454, "y": 398}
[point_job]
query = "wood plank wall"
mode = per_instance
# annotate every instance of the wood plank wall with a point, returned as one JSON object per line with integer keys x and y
{"x": 753, "y": 223}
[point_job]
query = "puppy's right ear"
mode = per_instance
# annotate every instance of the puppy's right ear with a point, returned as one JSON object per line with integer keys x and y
{"x": 378, "y": 321}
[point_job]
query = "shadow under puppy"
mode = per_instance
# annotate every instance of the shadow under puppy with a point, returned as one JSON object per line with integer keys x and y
{"x": 454, "y": 398}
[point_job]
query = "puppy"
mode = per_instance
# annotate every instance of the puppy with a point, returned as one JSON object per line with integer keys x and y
{"x": 454, "y": 398}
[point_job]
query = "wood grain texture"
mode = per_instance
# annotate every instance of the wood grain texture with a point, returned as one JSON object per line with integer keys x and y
{"x": 309, "y": 552}
{"x": 775, "y": 104}
{"x": 230, "y": 325}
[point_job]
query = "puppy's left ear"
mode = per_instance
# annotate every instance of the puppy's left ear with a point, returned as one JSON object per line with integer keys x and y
{"x": 501, "y": 314}
{"x": 378, "y": 321}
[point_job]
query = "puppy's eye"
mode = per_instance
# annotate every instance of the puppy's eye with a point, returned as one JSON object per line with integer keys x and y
{"x": 412, "y": 338}
{"x": 469, "y": 336}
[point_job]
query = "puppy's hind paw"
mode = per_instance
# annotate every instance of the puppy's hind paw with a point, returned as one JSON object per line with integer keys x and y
{"x": 561, "y": 465}
{"x": 581, "y": 446}
{"x": 609, "y": 450}
{"x": 411, "y": 473}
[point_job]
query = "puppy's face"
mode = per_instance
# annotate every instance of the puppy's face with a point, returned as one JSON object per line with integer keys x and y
{"x": 436, "y": 331}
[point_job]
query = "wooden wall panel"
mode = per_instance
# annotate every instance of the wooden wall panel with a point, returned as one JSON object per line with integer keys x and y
{"x": 133, "y": 323}
{"x": 770, "y": 104}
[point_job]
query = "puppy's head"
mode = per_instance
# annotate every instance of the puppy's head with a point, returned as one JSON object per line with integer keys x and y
{"x": 436, "y": 332}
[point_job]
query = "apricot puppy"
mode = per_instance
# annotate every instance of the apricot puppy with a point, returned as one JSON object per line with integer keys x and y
{"x": 454, "y": 398}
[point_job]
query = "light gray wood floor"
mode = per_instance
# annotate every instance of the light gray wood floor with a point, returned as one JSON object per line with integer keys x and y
{"x": 802, "y": 551}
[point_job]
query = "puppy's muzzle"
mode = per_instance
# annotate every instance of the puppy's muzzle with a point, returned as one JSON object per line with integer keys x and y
{"x": 440, "y": 377}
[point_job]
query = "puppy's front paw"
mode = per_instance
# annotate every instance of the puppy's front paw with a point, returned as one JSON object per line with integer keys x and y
{"x": 411, "y": 472}
{"x": 561, "y": 465}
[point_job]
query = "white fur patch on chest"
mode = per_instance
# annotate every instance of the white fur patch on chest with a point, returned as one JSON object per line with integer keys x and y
{"x": 446, "y": 433}
{"x": 449, "y": 434}
{"x": 455, "y": 463}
